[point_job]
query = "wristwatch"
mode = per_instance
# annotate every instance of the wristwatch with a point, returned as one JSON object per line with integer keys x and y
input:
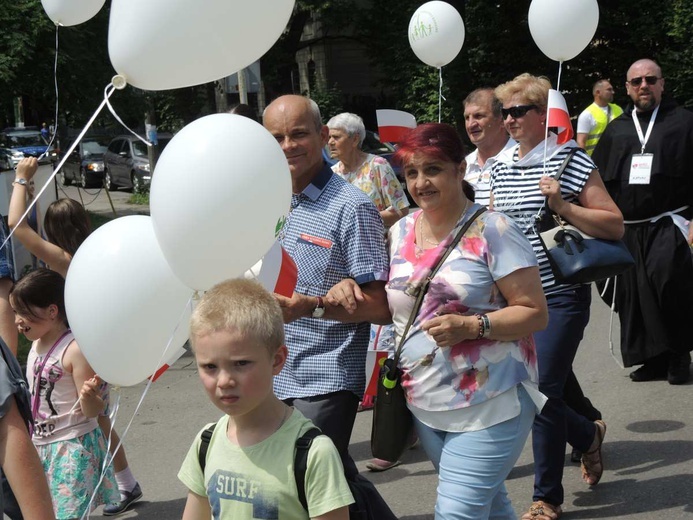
{"x": 319, "y": 310}
{"x": 23, "y": 182}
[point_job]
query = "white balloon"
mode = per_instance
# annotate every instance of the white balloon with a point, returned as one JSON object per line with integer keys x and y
{"x": 124, "y": 303}
{"x": 219, "y": 191}
{"x": 436, "y": 33}
{"x": 166, "y": 44}
{"x": 563, "y": 28}
{"x": 71, "y": 12}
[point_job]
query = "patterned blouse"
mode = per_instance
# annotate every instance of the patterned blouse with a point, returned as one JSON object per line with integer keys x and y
{"x": 474, "y": 371}
{"x": 376, "y": 178}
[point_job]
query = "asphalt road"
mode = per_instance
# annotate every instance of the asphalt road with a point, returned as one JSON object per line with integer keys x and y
{"x": 648, "y": 451}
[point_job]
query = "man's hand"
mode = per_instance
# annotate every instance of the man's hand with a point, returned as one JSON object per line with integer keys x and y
{"x": 690, "y": 233}
{"x": 298, "y": 306}
{"x": 346, "y": 293}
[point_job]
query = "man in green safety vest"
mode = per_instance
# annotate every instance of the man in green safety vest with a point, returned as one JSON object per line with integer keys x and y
{"x": 594, "y": 118}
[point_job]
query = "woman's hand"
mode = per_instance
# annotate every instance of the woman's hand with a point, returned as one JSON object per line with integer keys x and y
{"x": 451, "y": 329}
{"x": 26, "y": 169}
{"x": 551, "y": 188}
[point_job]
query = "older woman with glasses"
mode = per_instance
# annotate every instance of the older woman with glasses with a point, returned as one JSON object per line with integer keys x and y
{"x": 520, "y": 184}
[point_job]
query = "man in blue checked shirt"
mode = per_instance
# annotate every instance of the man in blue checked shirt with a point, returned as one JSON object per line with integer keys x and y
{"x": 333, "y": 232}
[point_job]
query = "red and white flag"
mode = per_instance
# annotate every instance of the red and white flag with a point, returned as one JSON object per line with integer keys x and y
{"x": 393, "y": 125}
{"x": 559, "y": 117}
{"x": 374, "y": 361}
{"x": 171, "y": 358}
{"x": 277, "y": 271}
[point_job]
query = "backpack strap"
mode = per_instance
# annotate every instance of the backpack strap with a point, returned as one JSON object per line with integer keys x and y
{"x": 205, "y": 437}
{"x": 303, "y": 444}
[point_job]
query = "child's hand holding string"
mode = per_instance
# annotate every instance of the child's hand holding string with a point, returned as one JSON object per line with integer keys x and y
{"x": 90, "y": 399}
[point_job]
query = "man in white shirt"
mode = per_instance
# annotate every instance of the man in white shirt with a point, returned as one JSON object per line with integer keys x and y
{"x": 594, "y": 118}
{"x": 484, "y": 125}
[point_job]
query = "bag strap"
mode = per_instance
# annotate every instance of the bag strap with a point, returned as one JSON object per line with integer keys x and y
{"x": 303, "y": 444}
{"x": 424, "y": 287}
{"x": 550, "y": 213}
{"x": 205, "y": 437}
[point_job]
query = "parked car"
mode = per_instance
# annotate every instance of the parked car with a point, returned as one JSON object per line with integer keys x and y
{"x": 84, "y": 166}
{"x": 17, "y": 143}
{"x": 126, "y": 163}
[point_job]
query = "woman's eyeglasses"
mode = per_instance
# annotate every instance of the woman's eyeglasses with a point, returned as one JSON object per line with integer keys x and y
{"x": 516, "y": 111}
{"x": 650, "y": 80}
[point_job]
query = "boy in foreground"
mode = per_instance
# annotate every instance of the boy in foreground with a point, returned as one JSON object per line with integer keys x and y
{"x": 237, "y": 335}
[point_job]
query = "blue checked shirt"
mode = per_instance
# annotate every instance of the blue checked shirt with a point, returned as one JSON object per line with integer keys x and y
{"x": 333, "y": 232}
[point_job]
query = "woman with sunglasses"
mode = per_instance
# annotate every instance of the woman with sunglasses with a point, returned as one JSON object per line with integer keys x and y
{"x": 520, "y": 184}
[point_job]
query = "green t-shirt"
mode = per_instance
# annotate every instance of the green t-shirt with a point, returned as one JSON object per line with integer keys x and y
{"x": 258, "y": 481}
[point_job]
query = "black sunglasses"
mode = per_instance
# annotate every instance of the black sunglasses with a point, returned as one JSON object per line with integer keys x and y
{"x": 650, "y": 80}
{"x": 516, "y": 111}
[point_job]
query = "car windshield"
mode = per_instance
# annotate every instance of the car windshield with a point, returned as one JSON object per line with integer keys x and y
{"x": 94, "y": 147}
{"x": 25, "y": 139}
{"x": 372, "y": 144}
{"x": 139, "y": 148}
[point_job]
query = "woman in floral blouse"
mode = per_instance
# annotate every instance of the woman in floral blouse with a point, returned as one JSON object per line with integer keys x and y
{"x": 469, "y": 361}
{"x": 370, "y": 173}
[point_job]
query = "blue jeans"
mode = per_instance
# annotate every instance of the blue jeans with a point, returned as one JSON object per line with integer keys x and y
{"x": 472, "y": 466}
{"x": 569, "y": 313}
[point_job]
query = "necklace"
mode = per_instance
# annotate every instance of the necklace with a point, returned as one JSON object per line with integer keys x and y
{"x": 422, "y": 231}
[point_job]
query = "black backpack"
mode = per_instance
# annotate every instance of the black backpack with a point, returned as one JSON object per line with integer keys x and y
{"x": 368, "y": 504}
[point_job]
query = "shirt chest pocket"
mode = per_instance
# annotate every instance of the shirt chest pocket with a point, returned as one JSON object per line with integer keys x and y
{"x": 314, "y": 261}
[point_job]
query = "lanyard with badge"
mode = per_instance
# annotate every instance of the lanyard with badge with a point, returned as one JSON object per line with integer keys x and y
{"x": 641, "y": 163}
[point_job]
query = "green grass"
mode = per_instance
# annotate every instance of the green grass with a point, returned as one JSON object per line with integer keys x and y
{"x": 23, "y": 349}
{"x": 98, "y": 220}
{"x": 141, "y": 198}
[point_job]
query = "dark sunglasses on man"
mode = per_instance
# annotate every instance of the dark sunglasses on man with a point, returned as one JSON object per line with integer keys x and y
{"x": 650, "y": 80}
{"x": 517, "y": 111}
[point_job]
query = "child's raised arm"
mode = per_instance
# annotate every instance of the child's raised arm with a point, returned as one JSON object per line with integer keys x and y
{"x": 196, "y": 507}
{"x": 51, "y": 254}
{"x": 86, "y": 381}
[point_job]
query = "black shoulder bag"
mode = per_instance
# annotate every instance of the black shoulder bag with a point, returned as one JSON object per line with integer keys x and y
{"x": 574, "y": 256}
{"x": 392, "y": 420}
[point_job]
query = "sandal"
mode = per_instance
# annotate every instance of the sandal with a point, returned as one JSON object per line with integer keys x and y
{"x": 541, "y": 510}
{"x": 382, "y": 465}
{"x": 592, "y": 465}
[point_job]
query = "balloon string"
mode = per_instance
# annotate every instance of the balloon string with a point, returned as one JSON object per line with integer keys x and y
{"x": 108, "y": 92}
{"x": 117, "y": 117}
{"x": 440, "y": 92}
{"x": 109, "y": 456}
{"x": 55, "y": 82}
{"x": 108, "y": 459}
{"x": 560, "y": 69}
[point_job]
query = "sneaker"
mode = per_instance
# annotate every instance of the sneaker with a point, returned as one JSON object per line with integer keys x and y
{"x": 120, "y": 507}
{"x": 679, "y": 371}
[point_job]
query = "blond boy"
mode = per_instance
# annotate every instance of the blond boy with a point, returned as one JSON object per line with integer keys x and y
{"x": 237, "y": 335}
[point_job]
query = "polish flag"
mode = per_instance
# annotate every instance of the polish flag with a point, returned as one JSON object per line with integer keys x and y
{"x": 559, "y": 116}
{"x": 393, "y": 125}
{"x": 168, "y": 363}
{"x": 374, "y": 360}
{"x": 277, "y": 271}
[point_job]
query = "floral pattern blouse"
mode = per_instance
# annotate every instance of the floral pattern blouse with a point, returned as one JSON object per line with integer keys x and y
{"x": 376, "y": 178}
{"x": 473, "y": 371}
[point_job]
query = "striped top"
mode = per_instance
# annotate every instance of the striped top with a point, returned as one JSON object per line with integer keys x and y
{"x": 515, "y": 190}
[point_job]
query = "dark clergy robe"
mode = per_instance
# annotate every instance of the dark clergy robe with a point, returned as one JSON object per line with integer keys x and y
{"x": 655, "y": 299}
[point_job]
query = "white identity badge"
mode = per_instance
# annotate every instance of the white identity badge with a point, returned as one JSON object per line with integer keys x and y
{"x": 640, "y": 168}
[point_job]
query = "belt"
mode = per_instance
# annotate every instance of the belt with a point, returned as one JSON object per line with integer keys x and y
{"x": 655, "y": 219}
